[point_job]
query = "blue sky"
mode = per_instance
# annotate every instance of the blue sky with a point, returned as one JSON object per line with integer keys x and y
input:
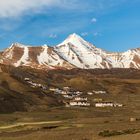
{"x": 112, "y": 25}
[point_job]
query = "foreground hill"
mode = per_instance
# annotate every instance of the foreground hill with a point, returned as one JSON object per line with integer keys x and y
{"x": 16, "y": 94}
{"x": 74, "y": 52}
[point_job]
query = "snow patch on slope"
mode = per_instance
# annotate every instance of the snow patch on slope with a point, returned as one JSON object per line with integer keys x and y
{"x": 69, "y": 55}
{"x": 24, "y": 59}
{"x": 8, "y": 53}
{"x": 51, "y": 59}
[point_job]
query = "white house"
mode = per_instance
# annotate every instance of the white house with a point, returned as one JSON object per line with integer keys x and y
{"x": 68, "y": 96}
{"x": 89, "y": 93}
{"x": 108, "y": 104}
{"x": 53, "y": 89}
{"x": 79, "y": 92}
{"x": 66, "y": 88}
{"x": 99, "y": 92}
{"x": 118, "y": 105}
{"x": 63, "y": 92}
{"x": 26, "y": 79}
{"x": 80, "y": 99}
{"x": 104, "y": 104}
{"x": 73, "y": 103}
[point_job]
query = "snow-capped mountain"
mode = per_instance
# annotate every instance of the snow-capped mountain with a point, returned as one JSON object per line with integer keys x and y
{"x": 82, "y": 54}
{"x": 37, "y": 57}
{"x": 72, "y": 52}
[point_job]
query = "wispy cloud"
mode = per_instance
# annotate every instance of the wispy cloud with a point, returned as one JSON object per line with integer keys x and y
{"x": 15, "y": 8}
{"x": 97, "y": 34}
{"x": 94, "y": 20}
{"x": 53, "y": 36}
{"x": 84, "y": 34}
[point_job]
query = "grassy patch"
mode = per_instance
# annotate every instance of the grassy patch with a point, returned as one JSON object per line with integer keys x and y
{"x": 108, "y": 133}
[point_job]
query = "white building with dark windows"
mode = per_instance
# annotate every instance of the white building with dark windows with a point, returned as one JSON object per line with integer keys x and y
{"x": 108, "y": 104}
{"x": 79, "y": 103}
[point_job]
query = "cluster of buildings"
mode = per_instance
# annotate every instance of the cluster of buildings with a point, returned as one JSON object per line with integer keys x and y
{"x": 74, "y": 97}
{"x": 35, "y": 85}
{"x": 108, "y": 104}
{"x": 66, "y": 92}
{"x": 79, "y": 101}
{"x": 97, "y": 92}
{"x": 98, "y": 102}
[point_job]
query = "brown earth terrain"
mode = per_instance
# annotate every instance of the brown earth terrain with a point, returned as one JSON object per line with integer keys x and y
{"x": 34, "y": 113}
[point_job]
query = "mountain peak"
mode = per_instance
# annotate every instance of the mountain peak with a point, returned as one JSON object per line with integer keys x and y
{"x": 74, "y": 35}
{"x": 74, "y": 39}
{"x": 19, "y": 45}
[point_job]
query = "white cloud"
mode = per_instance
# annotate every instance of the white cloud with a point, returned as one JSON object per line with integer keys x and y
{"x": 97, "y": 34}
{"x": 52, "y": 36}
{"x": 15, "y": 8}
{"x": 94, "y": 20}
{"x": 84, "y": 34}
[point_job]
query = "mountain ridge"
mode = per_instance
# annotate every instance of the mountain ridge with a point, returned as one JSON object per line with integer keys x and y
{"x": 73, "y": 52}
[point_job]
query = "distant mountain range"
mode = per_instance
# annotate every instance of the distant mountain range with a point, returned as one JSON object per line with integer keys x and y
{"x": 74, "y": 52}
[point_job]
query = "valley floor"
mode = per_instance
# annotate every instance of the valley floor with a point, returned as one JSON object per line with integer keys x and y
{"x": 69, "y": 124}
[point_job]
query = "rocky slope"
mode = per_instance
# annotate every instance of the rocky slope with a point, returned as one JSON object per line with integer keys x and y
{"x": 36, "y": 57}
{"x": 74, "y": 52}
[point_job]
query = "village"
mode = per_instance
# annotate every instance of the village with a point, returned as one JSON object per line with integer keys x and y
{"x": 35, "y": 85}
{"x": 77, "y": 98}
